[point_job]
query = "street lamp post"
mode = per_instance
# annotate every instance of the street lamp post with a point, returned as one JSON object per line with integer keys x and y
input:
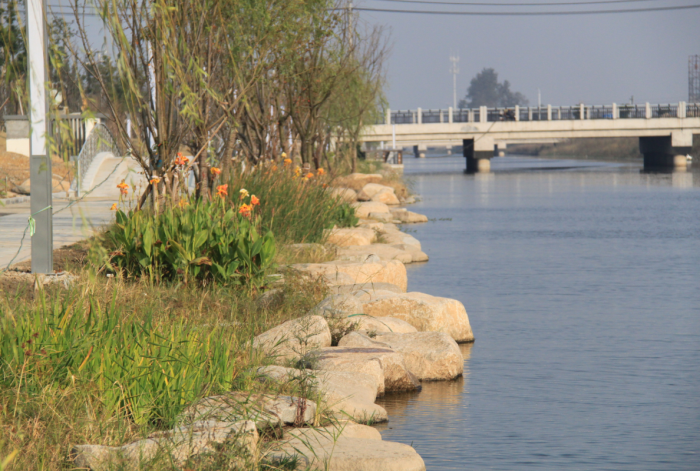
{"x": 41, "y": 218}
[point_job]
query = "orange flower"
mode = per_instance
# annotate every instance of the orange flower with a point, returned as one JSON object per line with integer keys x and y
{"x": 325, "y": 185}
{"x": 222, "y": 190}
{"x": 183, "y": 202}
{"x": 245, "y": 209}
{"x": 181, "y": 160}
{"x": 154, "y": 181}
{"x": 309, "y": 175}
{"x": 114, "y": 207}
{"x": 320, "y": 171}
{"x": 274, "y": 168}
{"x": 297, "y": 171}
{"x": 215, "y": 171}
{"x": 287, "y": 161}
{"x": 123, "y": 188}
{"x": 254, "y": 200}
{"x": 243, "y": 193}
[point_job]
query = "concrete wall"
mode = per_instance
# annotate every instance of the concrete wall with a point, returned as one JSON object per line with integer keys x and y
{"x": 17, "y": 134}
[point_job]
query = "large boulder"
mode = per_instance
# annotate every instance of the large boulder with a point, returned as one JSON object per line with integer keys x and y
{"x": 431, "y": 356}
{"x": 371, "y": 324}
{"x": 401, "y": 252}
{"x": 371, "y": 189}
{"x": 358, "y": 253}
{"x": 318, "y": 449}
{"x": 345, "y": 194}
{"x": 344, "y": 394}
{"x": 385, "y": 364}
{"x": 417, "y": 255}
{"x": 357, "y": 289}
{"x": 265, "y": 410}
{"x": 341, "y": 428}
{"x": 408, "y": 217}
{"x": 174, "y": 446}
{"x": 387, "y": 197}
{"x": 382, "y": 217}
{"x": 294, "y": 339}
{"x": 362, "y": 210}
{"x": 351, "y": 236}
{"x": 338, "y": 305}
{"x": 394, "y": 236}
{"x": 371, "y": 271}
{"x": 424, "y": 312}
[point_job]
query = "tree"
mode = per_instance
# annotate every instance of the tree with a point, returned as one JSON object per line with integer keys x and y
{"x": 484, "y": 90}
{"x": 13, "y": 60}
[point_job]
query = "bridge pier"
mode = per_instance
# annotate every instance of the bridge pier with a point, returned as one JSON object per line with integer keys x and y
{"x": 420, "y": 150}
{"x": 500, "y": 149}
{"x": 478, "y": 153}
{"x": 666, "y": 151}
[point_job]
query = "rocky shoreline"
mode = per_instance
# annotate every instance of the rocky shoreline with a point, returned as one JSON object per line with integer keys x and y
{"x": 368, "y": 338}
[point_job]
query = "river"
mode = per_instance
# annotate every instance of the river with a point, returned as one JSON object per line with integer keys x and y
{"x": 582, "y": 284}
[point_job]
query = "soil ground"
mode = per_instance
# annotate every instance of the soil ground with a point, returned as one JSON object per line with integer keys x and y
{"x": 14, "y": 169}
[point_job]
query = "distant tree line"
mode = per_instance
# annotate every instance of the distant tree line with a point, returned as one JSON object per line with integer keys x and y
{"x": 485, "y": 90}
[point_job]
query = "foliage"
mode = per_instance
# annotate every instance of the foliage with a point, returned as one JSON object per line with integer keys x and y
{"x": 13, "y": 60}
{"x": 295, "y": 207}
{"x": 205, "y": 241}
{"x": 149, "y": 373}
{"x": 485, "y": 90}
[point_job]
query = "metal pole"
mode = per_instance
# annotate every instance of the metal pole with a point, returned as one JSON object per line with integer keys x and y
{"x": 40, "y": 160}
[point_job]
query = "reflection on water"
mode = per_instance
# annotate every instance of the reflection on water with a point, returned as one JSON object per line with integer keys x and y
{"x": 582, "y": 284}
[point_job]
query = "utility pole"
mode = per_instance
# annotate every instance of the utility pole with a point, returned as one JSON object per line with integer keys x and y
{"x": 351, "y": 25}
{"x": 41, "y": 217}
{"x": 455, "y": 70}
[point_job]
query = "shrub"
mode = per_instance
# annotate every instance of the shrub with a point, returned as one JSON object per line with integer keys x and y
{"x": 204, "y": 241}
{"x": 294, "y": 207}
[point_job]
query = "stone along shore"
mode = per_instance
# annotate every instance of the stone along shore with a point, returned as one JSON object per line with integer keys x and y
{"x": 368, "y": 338}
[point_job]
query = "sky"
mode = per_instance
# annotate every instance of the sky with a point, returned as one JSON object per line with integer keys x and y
{"x": 594, "y": 59}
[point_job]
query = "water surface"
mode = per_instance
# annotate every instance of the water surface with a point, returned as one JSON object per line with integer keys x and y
{"x": 581, "y": 280}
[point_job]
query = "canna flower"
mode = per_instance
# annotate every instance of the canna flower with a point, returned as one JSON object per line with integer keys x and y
{"x": 287, "y": 161}
{"x": 181, "y": 160}
{"x": 123, "y": 188}
{"x": 274, "y": 168}
{"x": 320, "y": 171}
{"x": 215, "y": 171}
{"x": 283, "y": 155}
{"x": 183, "y": 202}
{"x": 254, "y": 200}
{"x": 309, "y": 175}
{"x": 325, "y": 185}
{"x": 114, "y": 207}
{"x": 297, "y": 172}
{"x": 222, "y": 190}
{"x": 243, "y": 193}
{"x": 154, "y": 181}
{"x": 245, "y": 209}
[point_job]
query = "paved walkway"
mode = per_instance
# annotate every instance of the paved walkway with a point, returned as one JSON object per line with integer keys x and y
{"x": 70, "y": 225}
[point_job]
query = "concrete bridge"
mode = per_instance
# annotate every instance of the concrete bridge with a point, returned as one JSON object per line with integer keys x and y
{"x": 665, "y": 131}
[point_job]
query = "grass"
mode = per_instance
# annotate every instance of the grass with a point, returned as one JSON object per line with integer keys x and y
{"x": 108, "y": 361}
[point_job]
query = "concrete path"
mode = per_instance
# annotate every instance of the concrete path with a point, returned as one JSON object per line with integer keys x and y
{"x": 70, "y": 225}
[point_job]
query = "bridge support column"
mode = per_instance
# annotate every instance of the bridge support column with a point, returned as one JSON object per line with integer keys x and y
{"x": 478, "y": 154}
{"x": 499, "y": 149}
{"x": 666, "y": 151}
{"x": 420, "y": 150}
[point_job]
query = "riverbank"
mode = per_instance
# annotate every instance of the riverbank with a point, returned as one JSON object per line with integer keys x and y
{"x": 337, "y": 331}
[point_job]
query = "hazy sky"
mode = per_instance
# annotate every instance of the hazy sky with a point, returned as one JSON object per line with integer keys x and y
{"x": 591, "y": 58}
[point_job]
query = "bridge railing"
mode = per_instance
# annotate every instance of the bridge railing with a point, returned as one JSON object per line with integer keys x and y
{"x": 543, "y": 113}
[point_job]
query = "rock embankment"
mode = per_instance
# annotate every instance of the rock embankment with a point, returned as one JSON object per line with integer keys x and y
{"x": 368, "y": 338}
